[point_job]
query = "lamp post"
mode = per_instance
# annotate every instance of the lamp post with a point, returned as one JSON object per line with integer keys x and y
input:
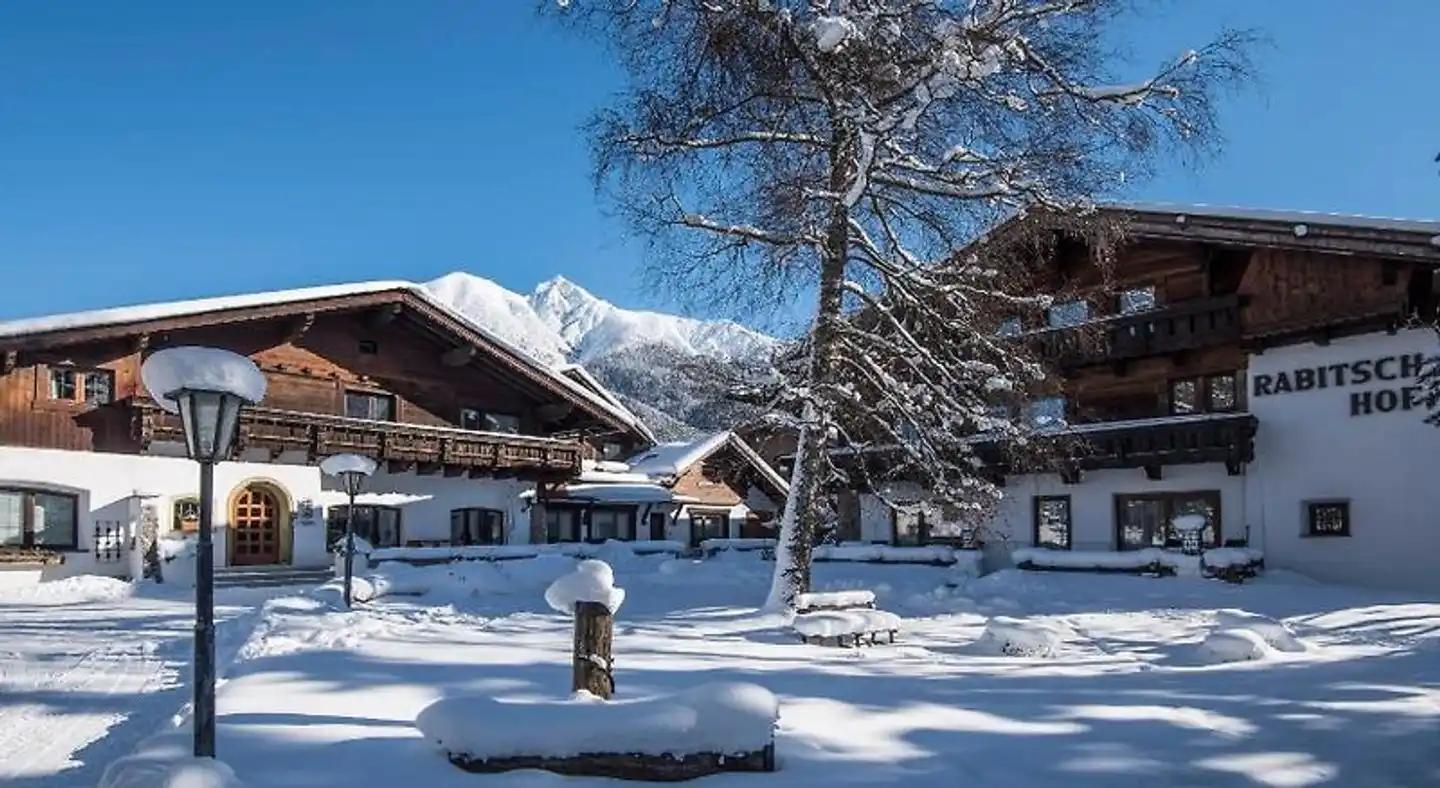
{"x": 206, "y": 387}
{"x": 351, "y": 470}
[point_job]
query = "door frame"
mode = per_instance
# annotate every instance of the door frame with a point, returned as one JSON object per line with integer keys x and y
{"x": 284, "y": 518}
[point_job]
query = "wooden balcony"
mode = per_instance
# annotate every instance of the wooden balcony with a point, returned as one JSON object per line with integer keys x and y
{"x": 1186, "y": 325}
{"x": 1154, "y": 443}
{"x": 401, "y": 447}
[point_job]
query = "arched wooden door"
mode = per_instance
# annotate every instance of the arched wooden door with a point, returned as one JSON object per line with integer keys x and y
{"x": 255, "y": 521}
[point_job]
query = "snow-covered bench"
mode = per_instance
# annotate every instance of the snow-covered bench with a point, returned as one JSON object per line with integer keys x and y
{"x": 847, "y": 628}
{"x": 858, "y": 599}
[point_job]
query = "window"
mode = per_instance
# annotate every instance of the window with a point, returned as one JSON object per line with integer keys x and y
{"x": 708, "y": 525}
{"x": 1184, "y": 396}
{"x": 369, "y": 406}
{"x": 185, "y": 515}
{"x": 909, "y": 527}
{"x": 1069, "y": 313}
{"x": 1052, "y": 521}
{"x": 1136, "y": 299}
{"x": 378, "y": 525}
{"x": 657, "y": 526}
{"x": 88, "y": 386}
{"x": 611, "y": 523}
{"x": 562, "y": 524}
{"x": 481, "y": 421}
{"x": 1047, "y": 412}
{"x": 1210, "y": 394}
{"x": 477, "y": 526}
{"x": 35, "y": 518}
{"x": 1220, "y": 392}
{"x": 1011, "y": 326}
{"x": 369, "y": 347}
{"x": 1145, "y": 520}
{"x": 1327, "y": 518}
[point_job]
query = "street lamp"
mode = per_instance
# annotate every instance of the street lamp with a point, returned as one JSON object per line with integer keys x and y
{"x": 351, "y": 470}
{"x": 206, "y": 386}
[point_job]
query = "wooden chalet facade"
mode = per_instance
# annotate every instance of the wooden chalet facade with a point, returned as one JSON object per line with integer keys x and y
{"x": 1256, "y": 368}
{"x": 459, "y": 421}
{"x": 716, "y": 487}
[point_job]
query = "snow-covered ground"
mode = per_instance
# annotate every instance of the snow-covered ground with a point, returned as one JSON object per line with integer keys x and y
{"x": 1129, "y": 680}
{"x": 87, "y": 670}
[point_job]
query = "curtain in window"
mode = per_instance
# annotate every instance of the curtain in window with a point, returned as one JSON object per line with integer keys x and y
{"x": 12, "y": 518}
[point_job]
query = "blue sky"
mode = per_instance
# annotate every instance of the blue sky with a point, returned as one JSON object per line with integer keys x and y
{"x": 170, "y": 149}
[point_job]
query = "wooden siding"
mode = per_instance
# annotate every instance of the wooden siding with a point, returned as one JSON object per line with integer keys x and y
{"x": 709, "y": 484}
{"x": 1296, "y": 291}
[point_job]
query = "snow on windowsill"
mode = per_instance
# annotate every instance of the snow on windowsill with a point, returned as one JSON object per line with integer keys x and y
{"x": 730, "y": 719}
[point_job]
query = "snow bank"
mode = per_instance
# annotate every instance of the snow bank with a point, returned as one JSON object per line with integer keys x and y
{"x": 886, "y": 554}
{"x": 1014, "y": 637}
{"x": 1233, "y": 645}
{"x": 1275, "y": 634}
{"x": 730, "y": 719}
{"x": 721, "y": 545}
{"x": 165, "y": 761}
{"x": 834, "y": 623}
{"x": 835, "y": 600}
{"x": 1044, "y": 558}
{"x": 69, "y": 590}
{"x": 592, "y": 581}
{"x": 520, "y": 551}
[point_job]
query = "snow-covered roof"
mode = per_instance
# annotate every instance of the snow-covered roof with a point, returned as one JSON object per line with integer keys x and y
{"x": 632, "y": 492}
{"x": 581, "y": 375}
{"x": 673, "y": 458}
{"x": 668, "y": 460}
{"x": 593, "y": 394}
{"x": 1292, "y": 217}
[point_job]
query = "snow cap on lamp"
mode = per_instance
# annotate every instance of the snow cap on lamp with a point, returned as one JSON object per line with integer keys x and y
{"x": 350, "y": 469}
{"x": 168, "y": 371}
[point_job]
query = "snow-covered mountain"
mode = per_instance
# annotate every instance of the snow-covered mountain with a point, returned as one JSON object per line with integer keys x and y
{"x": 662, "y": 366}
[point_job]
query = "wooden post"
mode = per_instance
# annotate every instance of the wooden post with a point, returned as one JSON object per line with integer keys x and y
{"x": 594, "y": 640}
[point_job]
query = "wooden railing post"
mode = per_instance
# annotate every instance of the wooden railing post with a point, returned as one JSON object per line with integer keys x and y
{"x": 594, "y": 642}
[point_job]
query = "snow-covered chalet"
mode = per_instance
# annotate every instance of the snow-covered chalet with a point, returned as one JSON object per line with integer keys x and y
{"x": 1256, "y": 368}
{"x": 462, "y": 424}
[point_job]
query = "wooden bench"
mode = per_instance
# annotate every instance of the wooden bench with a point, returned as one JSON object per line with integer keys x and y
{"x": 858, "y": 599}
{"x": 847, "y": 628}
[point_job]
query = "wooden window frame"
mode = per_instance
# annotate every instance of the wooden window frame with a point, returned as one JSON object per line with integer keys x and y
{"x": 1168, "y": 513}
{"x": 482, "y": 512}
{"x": 372, "y": 396}
{"x": 1204, "y": 388}
{"x": 27, "y": 519}
{"x": 335, "y": 523}
{"x": 1038, "y": 501}
{"x": 1311, "y": 507}
{"x": 81, "y": 378}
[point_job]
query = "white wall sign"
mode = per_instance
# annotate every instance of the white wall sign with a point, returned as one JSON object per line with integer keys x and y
{"x": 1394, "y": 370}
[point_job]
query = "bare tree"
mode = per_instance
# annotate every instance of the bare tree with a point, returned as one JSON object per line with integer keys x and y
{"x": 843, "y": 150}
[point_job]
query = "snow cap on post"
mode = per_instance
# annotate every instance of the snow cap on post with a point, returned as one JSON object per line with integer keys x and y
{"x": 338, "y": 464}
{"x": 592, "y": 581}
{"x": 172, "y": 370}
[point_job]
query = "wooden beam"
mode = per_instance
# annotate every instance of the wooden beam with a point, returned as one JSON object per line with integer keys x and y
{"x": 298, "y": 328}
{"x": 478, "y": 472}
{"x": 1069, "y": 474}
{"x": 384, "y": 315}
{"x": 458, "y": 357}
{"x": 1234, "y": 467}
{"x": 428, "y": 468}
{"x": 1154, "y": 473}
{"x": 10, "y": 362}
{"x": 452, "y": 471}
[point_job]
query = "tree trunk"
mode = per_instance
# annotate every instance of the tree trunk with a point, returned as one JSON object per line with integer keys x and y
{"x": 800, "y": 522}
{"x": 594, "y": 641}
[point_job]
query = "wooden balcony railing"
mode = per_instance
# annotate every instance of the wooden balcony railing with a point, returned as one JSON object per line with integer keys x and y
{"x": 426, "y": 449}
{"x": 1185, "y": 325}
{"x": 1175, "y": 440}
